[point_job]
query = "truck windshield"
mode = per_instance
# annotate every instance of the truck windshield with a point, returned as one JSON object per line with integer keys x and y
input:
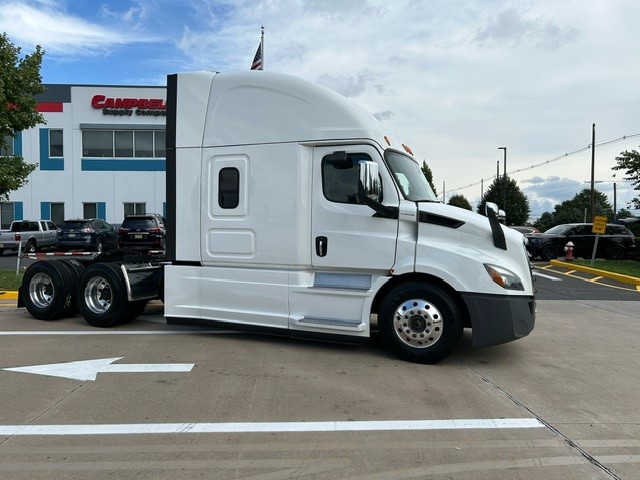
{"x": 409, "y": 177}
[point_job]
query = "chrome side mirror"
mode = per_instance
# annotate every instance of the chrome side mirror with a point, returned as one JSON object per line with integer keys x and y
{"x": 369, "y": 180}
{"x": 491, "y": 209}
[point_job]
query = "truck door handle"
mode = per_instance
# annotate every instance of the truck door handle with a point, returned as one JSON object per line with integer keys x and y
{"x": 321, "y": 246}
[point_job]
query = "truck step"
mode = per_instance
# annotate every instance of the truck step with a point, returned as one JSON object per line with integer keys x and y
{"x": 333, "y": 323}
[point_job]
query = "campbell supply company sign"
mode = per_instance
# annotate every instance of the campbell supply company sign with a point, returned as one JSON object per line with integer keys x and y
{"x": 151, "y": 107}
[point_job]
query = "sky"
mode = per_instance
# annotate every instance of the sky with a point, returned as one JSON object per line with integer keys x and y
{"x": 453, "y": 79}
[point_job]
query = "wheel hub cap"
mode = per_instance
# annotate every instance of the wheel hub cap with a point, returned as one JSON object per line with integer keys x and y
{"x": 41, "y": 290}
{"x": 418, "y": 323}
{"x": 97, "y": 295}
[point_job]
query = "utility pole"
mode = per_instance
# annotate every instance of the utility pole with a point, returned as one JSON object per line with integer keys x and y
{"x": 593, "y": 167}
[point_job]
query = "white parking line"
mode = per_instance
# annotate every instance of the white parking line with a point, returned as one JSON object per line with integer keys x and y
{"x": 543, "y": 275}
{"x": 111, "y": 332}
{"x": 268, "y": 427}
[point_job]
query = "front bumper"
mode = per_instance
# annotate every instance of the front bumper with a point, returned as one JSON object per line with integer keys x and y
{"x": 497, "y": 319}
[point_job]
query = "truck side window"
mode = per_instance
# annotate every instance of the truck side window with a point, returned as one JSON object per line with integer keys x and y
{"x": 340, "y": 181}
{"x": 229, "y": 187}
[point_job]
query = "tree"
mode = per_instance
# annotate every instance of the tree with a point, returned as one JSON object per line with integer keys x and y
{"x": 517, "y": 207}
{"x": 459, "y": 200}
{"x": 545, "y": 222}
{"x": 624, "y": 213}
{"x": 20, "y": 81}
{"x": 574, "y": 210}
{"x": 630, "y": 162}
{"x": 429, "y": 176}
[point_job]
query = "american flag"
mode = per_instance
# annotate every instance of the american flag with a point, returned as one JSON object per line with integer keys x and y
{"x": 257, "y": 60}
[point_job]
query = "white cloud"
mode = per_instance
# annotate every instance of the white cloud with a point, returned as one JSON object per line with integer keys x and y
{"x": 58, "y": 32}
{"x": 511, "y": 27}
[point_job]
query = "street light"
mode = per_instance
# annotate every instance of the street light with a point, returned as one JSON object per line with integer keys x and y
{"x": 504, "y": 183}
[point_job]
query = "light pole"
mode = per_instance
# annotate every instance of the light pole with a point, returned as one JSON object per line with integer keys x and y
{"x": 504, "y": 181}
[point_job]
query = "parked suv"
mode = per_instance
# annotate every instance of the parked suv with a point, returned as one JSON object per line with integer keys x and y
{"x": 618, "y": 241}
{"x": 143, "y": 232}
{"x": 91, "y": 234}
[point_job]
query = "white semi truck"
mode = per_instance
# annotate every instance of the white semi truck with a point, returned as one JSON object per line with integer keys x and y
{"x": 292, "y": 211}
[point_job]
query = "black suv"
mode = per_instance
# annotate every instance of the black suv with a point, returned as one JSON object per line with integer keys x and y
{"x": 618, "y": 242}
{"x": 92, "y": 234}
{"x": 143, "y": 232}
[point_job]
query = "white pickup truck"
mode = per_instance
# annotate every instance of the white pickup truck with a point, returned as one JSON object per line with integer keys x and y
{"x": 34, "y": 235}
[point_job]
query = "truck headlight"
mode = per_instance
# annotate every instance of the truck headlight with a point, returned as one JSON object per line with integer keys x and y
{"x": 503, "y": 277}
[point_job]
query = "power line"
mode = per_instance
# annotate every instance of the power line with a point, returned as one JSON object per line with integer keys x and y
{"x": 547, "y": 162}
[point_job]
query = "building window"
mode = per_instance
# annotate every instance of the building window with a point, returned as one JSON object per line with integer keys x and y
{"x": 7, "y": 214}
{"x": 132, "y": 208}
{"x": 57, "y": 213}
{"x": 97, "y": 143}
{"x": 6, "y": 149}
{"x": 123, "y": 143}
{"x": 160, "y": 144}
{"x": 144, "y": 144}
{"x": 89, "y": 210}
{"x": 55, "y": 143}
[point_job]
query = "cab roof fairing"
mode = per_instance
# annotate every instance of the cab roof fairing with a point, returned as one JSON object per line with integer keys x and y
{"x": 257, "y": 107}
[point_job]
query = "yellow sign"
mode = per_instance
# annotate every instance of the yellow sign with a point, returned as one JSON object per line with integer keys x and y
{"x": 599, "y": 225}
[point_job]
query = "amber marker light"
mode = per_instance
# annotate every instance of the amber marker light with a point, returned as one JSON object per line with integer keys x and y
{"x": 407, "y": 149}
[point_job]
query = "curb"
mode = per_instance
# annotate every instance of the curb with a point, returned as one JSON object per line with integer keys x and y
{"x": 614, "y": 276}
{"x": 8, "y": 295}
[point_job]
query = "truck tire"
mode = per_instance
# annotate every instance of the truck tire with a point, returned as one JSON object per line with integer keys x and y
{"x": 30, "y": 247}
{"x": 48, "y": 290}
{"x": 1, "y": 251}
{"x": 75, "y": 266}
{"x": 76, "y": 269}
{"x": 549, "y": 252}
{"x": 420, "y": 322}
{"x": 102, "y": 296}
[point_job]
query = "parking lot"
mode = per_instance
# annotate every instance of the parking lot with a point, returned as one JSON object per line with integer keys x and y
{"x": 173, "y": 403}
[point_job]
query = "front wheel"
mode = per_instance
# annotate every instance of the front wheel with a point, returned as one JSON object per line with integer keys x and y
{"x": 549, "y": 252}
{"x": 615, "y": 252}
{"x": 420, "y": 322}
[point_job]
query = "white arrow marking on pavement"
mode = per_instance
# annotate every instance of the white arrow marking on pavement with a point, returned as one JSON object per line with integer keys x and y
{"x": 89, "y": 369}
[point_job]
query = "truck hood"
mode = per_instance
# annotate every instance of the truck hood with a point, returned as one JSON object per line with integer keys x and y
{"x": 456, "y": 244}
{"x": 470, "y": 222}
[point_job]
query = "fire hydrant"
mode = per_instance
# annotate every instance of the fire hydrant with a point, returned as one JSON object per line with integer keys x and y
{"x": 568, "y": 249}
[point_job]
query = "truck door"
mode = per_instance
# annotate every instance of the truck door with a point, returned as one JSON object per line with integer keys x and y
{"x": 345, "y": 232}
{"x": 49, "y": 233}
